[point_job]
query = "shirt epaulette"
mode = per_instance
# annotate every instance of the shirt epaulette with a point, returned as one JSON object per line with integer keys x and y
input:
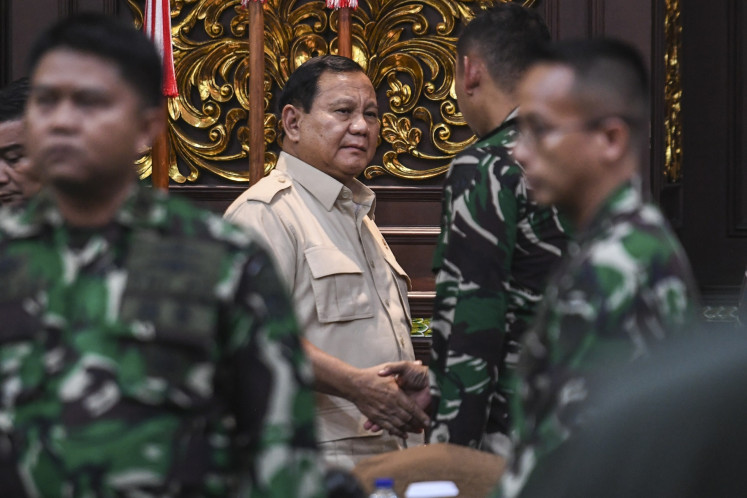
{"x": 268, "y": 187}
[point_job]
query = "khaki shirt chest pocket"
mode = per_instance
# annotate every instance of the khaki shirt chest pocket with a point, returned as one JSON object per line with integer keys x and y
{"x": 340, "y": 288}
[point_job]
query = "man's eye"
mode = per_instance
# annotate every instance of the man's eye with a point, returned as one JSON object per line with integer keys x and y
{"x": 91, "y": 102}
{"x": 13, "y": 159}
{"x": 372, "y": 114}
{"x": 343, "y": 111}
{"x": 44, "y": 100}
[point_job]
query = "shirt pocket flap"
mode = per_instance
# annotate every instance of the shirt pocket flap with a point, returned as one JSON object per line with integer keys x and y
{"x": 325, "y": 261}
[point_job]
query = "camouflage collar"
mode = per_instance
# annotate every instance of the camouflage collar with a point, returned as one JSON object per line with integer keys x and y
{"x": 504, "y": 135}
{"x": 623, "y": 201}
{"x": 140, "y": 207}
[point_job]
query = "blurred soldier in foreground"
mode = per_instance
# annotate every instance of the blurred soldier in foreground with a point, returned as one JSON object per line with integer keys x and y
{"x": 625, "y": 285}
{"x": 147, "y": 348}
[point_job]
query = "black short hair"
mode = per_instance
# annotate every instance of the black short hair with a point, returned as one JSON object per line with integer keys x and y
{"x": 302, "y": 85}
{"x": 112, "y": 40}
{"x": 610, "y": 78}
{"x": 13, "y": 99}
{"x": 506, "y": 35}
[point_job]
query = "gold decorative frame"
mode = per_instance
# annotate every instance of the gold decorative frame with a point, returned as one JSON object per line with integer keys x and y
{"x": 407, "y": 48}
{"x": 672, "y": 93}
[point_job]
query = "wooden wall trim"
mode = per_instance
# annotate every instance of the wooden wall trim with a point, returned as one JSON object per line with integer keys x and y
{"x": 66, "y": 8}
{"x": 658, "y": 76}
{"x": 737, "y": 214}
{"x": 411, "y": 234}
{"x": 111, "y": 7}
{"x": 415, "y": 194}
{"x": 596, "y": 17}
{"x": 552, "y": 17}
{"x": 421, "y": 303}
{"x": 5, "y": 45}
{"x": 669, "y": 195}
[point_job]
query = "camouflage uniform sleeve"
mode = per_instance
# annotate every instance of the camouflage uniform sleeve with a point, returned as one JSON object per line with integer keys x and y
{"x": 274, "y": 402}
{"x": 470, "y": 306}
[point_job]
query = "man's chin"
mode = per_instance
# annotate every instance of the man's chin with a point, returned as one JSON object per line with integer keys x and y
{"x": 78, "y": 187}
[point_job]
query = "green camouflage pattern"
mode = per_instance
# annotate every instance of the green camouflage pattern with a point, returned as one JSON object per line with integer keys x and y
{"x": 155, "y": 356}
{"x": 624, "y": 286}
{"x": 493, "y": 257}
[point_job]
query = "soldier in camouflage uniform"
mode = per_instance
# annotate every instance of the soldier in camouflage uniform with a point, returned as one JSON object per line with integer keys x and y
{"x": 625, "y": 284}
{"x": 148, "y": 347}
{"x": 496, "y": 246}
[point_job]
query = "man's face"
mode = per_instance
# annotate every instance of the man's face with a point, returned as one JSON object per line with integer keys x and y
{"x": 557, "y": 147}
{"x": 339, "y": 133}
{"x": 85, "y": 124}
{"x": 13, "y": 162}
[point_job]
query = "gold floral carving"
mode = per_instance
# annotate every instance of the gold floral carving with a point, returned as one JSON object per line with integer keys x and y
{"x": 673, "y": 93}
{"x": 407, "y": 48}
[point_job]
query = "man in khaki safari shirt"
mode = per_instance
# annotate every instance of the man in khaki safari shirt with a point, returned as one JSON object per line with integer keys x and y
{"x": 349, "y": 291}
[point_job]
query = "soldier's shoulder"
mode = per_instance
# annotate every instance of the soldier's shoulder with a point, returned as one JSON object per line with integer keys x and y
{"x": 181, "y": 218}
{"x": 17, "y": 222}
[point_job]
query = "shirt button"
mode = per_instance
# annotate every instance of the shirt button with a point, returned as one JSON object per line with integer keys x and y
{"x": 386, "y": 301}
{"x": 401, "y": 342}
{"x": 281, "y": 179}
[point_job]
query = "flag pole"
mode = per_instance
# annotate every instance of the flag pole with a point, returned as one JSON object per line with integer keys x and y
{"x": 157, "y": 25}
{"x": 256, "y": 90}
{"x": 344, "y": 36}
{"x": 159, "y": 154}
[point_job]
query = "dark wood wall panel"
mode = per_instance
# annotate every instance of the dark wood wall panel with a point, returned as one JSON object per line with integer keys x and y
{"x": 27, "y": 19}
{"x": 568, "y": 18}
{"x": 713, "y": 120}
{"x": 5, "y": 43}
{"x": 23, "y": 20}
{"x": 629, "y": 20}
{"x": 409, "y": 220}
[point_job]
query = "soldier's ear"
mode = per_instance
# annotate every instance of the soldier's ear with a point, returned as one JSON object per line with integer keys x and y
{"x": 292, "y": 117}
{"x": 616, "y": 135}
{"x": 472, "y": 68}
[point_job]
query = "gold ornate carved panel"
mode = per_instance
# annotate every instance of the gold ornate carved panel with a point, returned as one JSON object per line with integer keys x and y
{"x": 406, "y": 47}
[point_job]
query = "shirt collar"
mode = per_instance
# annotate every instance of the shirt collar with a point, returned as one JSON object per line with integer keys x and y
{"x": 322, "y": 186}
{"x": 138, "y": 207}
{"x": 504, "y": 131}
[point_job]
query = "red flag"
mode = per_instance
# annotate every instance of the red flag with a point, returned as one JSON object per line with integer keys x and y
{"x": 157, "y": 26}
{"x": 339, "y": 4}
